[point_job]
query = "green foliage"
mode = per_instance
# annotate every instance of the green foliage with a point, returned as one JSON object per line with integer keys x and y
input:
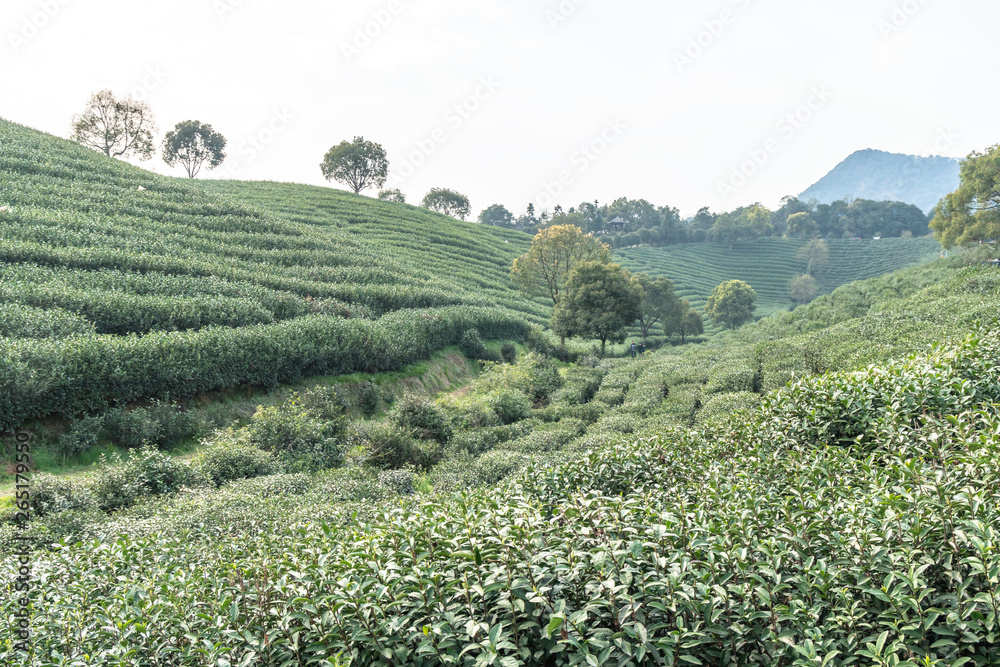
{"x": 554, "y": 253}
{"x": 770, "y": 263}
{"x": 388, "y": 447}
{"x": 732, "y": 304}
{"x": 421, "y": 419}
{"x": 52, "y": 495}
{"x": 496, "y": 215}
{"x": 359, "y": 164}
{"x": 393, "y": 195}
{"x": 509, "y": 352}
{"x": 80, "y": 435}
{"x": 447, "y": 202}
{"x": 229, "y": 456}
{"x": 301, "y": 439}
{"x": 599, "y": 300}
{"x": 147, "y": 472}
{"x": 971, "y": 214}
{"x": 192, "y": 145}
{"x": 370, "y": 399}
{"x": 473, "y": 347}
{"x": 660, "y": 304}
{"x": 23, "y": 321}
{"x": 224, "y": 284}
{"x": 509, "y": 406}
{"x": 802, "y": 289}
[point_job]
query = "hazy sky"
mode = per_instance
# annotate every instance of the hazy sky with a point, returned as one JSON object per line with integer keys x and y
{"x": 513, "y": 101}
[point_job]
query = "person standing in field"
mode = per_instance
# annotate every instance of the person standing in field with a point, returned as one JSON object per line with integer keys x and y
{"x": 633, "y": 350}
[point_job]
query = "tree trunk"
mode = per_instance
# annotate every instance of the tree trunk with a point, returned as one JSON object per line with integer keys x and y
{"x": 603, "y": 343}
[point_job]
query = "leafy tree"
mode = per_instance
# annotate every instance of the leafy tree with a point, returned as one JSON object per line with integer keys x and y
{"x": 554, "y": 252}
{"x": 803, "y": 289}
{"x": 801, "y": 226}
{"x": 359, "y": 164}
{"x": 497, "y": 215}
{"x": 600, "y": 301}
{"x": 744, "y": 224}
{"x": 192, "y": 144}
{"x": 392, "y": 195}
{"x": 971, "y": 214}
{"x": 684, "y": 322}
{"x": 116, "y": 127}
{"x": 448, "y": 202}
{"x": 817, "y": 254}
{"x": 660, "y": 303}
{"x": 732, "y": 304}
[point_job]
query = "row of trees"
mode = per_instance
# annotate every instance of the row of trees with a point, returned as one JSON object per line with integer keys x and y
{"x": 125, "y": 127}
{"x": 597, "y": 299}
{"x": 627, "y": 222}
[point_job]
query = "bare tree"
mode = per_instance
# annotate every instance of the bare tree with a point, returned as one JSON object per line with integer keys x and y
{"x": 116, "y": 127}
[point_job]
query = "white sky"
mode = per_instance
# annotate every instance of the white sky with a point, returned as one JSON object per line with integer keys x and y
{"x": 910, "y": 76}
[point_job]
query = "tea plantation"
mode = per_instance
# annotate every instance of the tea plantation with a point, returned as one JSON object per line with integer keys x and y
{"x": 769, "y": 264}
{"x": 120, "y": 285}
{"x": 820, "y": 488}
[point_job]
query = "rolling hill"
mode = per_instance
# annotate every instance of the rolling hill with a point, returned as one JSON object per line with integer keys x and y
{"x": 881, "y": 176}
{"x": 770, "y": 263}
{"x": 117, "y": 284}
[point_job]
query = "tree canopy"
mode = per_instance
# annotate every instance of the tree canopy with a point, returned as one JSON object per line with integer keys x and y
{"x": 971, "y": 214}
{"x": 684, "y": 322}
{"x": 600, "y": 301}
{"x": 359, "y": 164}
{"x": 448, "y": 202}
{"x": 802, "y": 289}
{"x": 392, "y": 195}
{"x": 817, "y": 255}
{"x": 732, "y": 304}
{"x": 744, "y": 224}
{"x": 497, "y": 215}
{"x": 192, "y": 144}
{"x": 554, "y": 252}
{"x": 801, "y": 226}
{"x": 116, "y": 127}
{"x": 660, "y": 304}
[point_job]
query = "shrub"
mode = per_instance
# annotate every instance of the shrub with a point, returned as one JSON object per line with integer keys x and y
{"x": 230, "y": 457}
{"x": 51, "y": 495}
{"x": 510, "y": 406}
{"x": 131, "y": 429}
{"x": 323, "y": 402}
{"x": 147, "y": 472}
{"x": 80, "y": 436}
{"x": 472, "y": 345}
{"x": 369, "y": 399}
{"x": 421, "y": 418}
{"x": 509, "y": 352}
{"x": 387, "y": 446}
{"x": 299, "y": 439}
{"x": 399, "y": 482}
{"x": 719, "y": 406}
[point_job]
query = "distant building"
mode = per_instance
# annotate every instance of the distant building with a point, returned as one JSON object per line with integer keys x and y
{"x": 616, "y": 225}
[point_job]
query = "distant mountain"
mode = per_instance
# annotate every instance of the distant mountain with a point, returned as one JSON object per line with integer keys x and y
{"x": 882, "y": 176}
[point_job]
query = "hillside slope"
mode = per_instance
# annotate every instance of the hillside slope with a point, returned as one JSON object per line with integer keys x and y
{"x": 882, "y": 176}
{"x": 117, "y": 284}
{"x": 770, "y": 263}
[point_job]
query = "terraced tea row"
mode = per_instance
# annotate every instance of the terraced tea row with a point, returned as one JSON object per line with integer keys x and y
{"x": 769, "y": 264}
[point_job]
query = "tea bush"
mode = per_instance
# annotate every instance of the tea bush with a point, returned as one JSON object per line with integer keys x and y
{"x": 229, "y": 456}
{"x": 300, "y": 440}
{"x": 421, "y": 418}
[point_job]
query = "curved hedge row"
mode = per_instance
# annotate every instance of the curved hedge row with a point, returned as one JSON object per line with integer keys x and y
{"x": 81, "y": 374}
